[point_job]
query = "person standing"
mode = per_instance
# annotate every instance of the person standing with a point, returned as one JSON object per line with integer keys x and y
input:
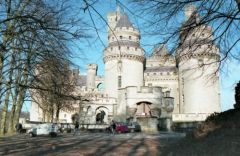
{"x": 76, "y": 130}
{"x": 113, "y": 127}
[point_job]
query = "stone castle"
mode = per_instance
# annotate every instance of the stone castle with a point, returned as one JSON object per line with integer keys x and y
{"x": 155, "y": 90}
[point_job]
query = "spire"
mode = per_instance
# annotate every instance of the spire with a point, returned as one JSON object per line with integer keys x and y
{"x": 118, "y": 8}
{"x": 124, "y": 21}
{"x": 190, "y": 10}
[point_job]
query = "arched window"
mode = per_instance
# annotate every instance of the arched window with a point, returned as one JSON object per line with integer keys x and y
{"x": 100, "y": 86}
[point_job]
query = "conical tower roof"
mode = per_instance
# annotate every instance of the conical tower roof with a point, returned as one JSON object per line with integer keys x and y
{"x": 124, "y": 21}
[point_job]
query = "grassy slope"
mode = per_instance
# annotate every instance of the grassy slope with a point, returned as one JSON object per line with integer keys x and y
{"x": 219, "y": 135}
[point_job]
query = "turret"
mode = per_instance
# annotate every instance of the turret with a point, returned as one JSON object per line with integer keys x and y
{"x": 189, "y": 10}
{"x": 113, "y": 18}
{"x": 198, "y": 62}
{"x": 123, "y": 57}
{"x": 91, "y": 75}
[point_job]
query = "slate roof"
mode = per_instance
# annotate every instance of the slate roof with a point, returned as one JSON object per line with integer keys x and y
{"x": 124, "y": 21}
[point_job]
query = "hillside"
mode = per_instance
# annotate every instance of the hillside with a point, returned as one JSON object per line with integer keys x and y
{"x": 218, "y": 135}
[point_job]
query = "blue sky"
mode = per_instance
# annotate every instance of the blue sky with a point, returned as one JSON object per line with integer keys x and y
{"x": 93, "y": 50}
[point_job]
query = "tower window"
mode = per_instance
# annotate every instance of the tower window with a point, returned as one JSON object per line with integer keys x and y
{"x": 127, "y": 48}
{"x": 111, "y": 48}
{"x": 136, "y": 49}
{"x": 200, "y": 62}
{"x": 121, "y": 37}
{"x": 119, "y": 81}
{"x": 119, "y": 48}
{"x": 130, "y": 37}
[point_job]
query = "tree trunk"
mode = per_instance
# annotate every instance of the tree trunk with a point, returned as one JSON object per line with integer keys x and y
{"x": 57, "y": 113}
{"x": 22, "y": 90}
{"x": 7, "y": 96}
{"x": 5, "y": 39}
{"x": 14, "y": 103}
{"x": 19, "y": 105}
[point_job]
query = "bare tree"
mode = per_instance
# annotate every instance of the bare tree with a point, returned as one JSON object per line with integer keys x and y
{"x": 55, "y": 85}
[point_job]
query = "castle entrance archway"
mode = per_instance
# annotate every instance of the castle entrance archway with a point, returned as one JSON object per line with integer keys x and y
{"x": 101, "y": 115}
{"x": 143, "y": 109}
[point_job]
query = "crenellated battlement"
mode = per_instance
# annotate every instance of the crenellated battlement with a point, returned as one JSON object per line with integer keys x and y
{"x": 123, "y": 56}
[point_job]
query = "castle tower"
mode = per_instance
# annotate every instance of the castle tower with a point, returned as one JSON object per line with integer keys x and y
{"x": 113, "y": 18}
{"x": 123, "y": 57}
{"x": 91, "y": 75}
{"x": 198, "y": 62}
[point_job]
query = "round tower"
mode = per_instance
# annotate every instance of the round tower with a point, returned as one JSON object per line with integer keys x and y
{"x": 123, "y": 57}
{"x": 91, "y": 75}
{"x": 198, "y": 62}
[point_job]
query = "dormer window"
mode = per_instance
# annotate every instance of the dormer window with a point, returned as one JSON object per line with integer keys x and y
{"x": 130, "y": 37}
{"x": 127, "y": 48}
{"x": 136, "y": 49}
{"x": 121, "y": 37}
{"x": 119, "y": 48}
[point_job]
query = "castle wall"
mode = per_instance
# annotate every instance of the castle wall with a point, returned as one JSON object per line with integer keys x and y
{"x": 111, "y": 78}
{"x": 132, "y": 73}
{"x": 200, "y": 87}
